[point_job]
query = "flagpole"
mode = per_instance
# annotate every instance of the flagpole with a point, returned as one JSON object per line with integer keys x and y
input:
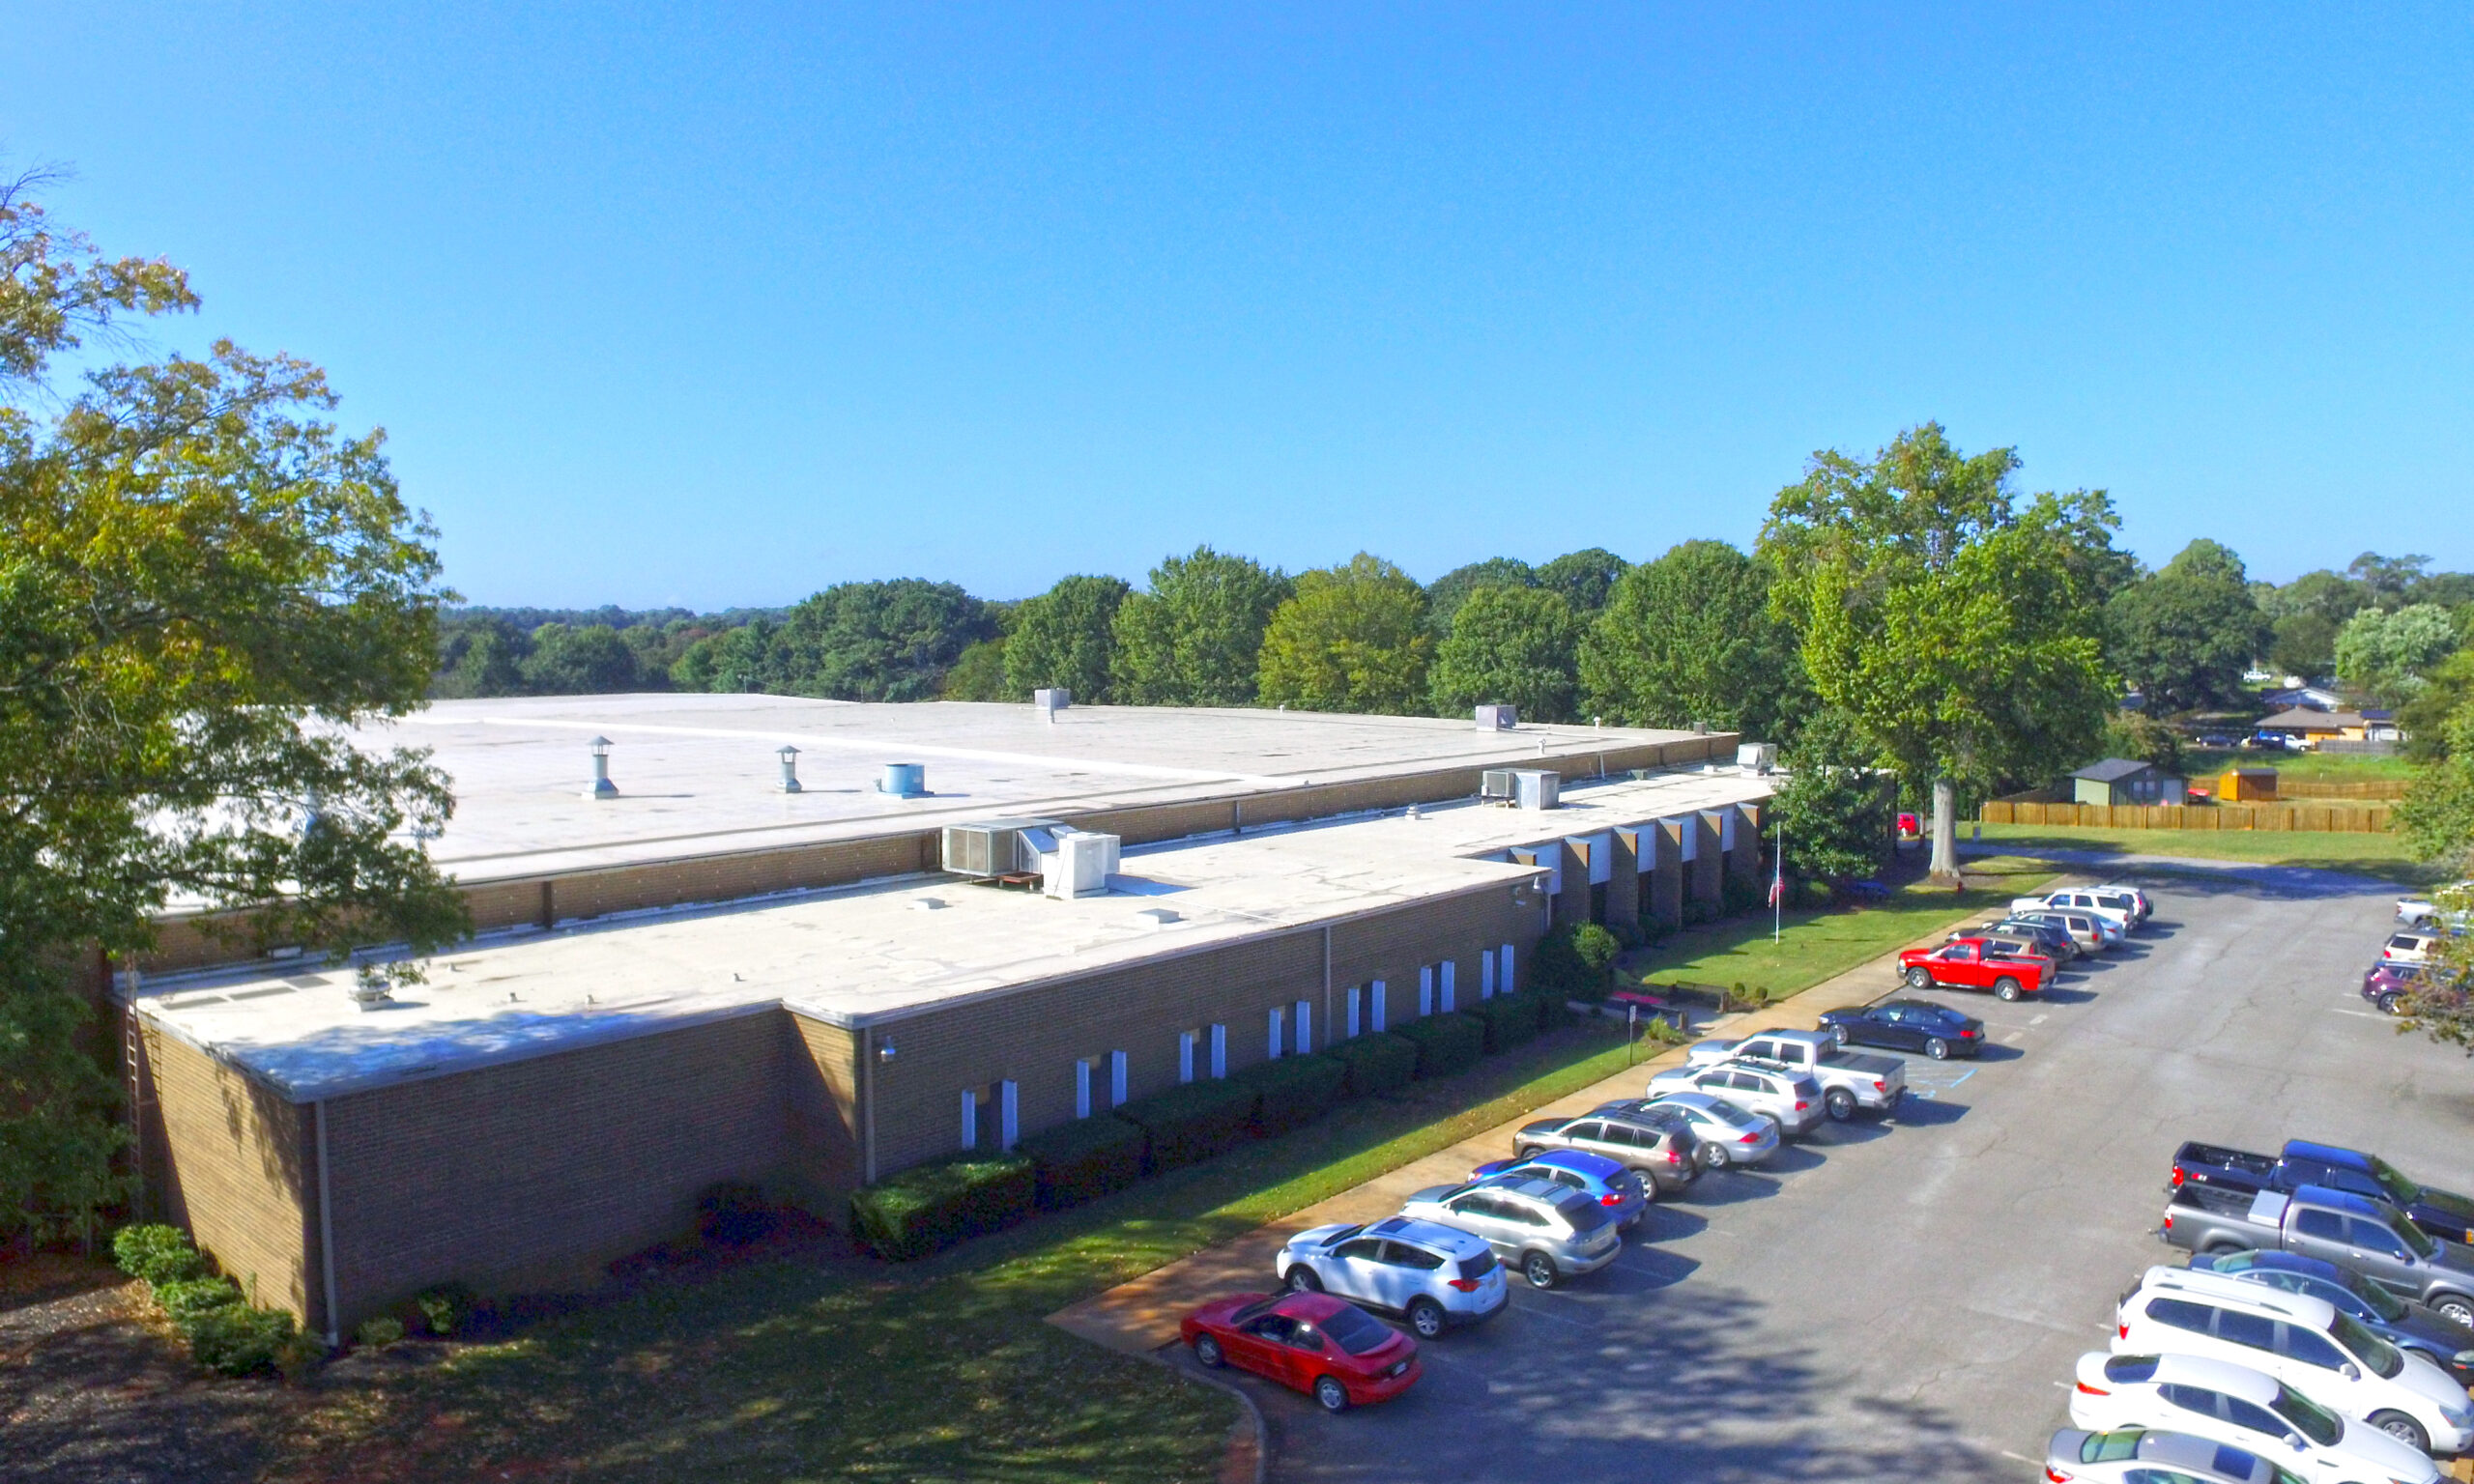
{"x": 1778, "y": 888}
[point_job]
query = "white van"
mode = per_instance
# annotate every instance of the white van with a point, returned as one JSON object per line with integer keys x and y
{"x": 2302, "y": 1341}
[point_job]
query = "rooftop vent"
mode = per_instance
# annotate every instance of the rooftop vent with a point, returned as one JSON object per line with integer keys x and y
{"x": 1537, "y": 788}
{"x": 993, "y": 847}
{"x": 1049, "y": 702}
{"x": 904, "y": 779}
{"x": 1760, "y": 758}
{"x": 1498, "y": 718}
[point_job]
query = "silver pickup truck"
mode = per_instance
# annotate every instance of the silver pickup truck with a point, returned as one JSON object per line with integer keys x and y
{"x": 1849, "y": 1079}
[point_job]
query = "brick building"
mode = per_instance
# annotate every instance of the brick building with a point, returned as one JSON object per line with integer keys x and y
{"x": 706, "y": 979}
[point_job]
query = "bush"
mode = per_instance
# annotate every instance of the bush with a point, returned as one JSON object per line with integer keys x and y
{"x": 734, "y": 1214}
{"x": 1084, "y": 1159}
{"x": 1510, "y": 1019}
{"x": 236, "y": 1340}
{"x": 1552, "y": 1013}
{"x": 157, "y": 1254}
{"x": 1293, "y": 1090}
{"x": 1740, "y": 896}
{"x": 1697, "y": 912}
{"x": 379, "y": 1332}
{"x": 1576, "y": 963}
{"x": 1446, "y": 1044}
{"x": 933, "y": 1206}
{"x": 191, "y": 1297}
{"x": 1379, "y": 1063}
{"x": 1196, "y": 1121}
{"x": 444, "y": 1309}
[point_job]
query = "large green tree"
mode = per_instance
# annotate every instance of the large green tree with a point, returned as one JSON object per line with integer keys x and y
{"x": 881, "y": 640}
{"x": 1508, "y": 647}
{"x": 591, "y": 660}
{"x": 1836, "y": 814}
{"x": 1066, "y": 637}
{"x": 1445, "y": 594}
{"x": 1690, "y": 637}
{"x": 2184, "y": 633}
{"x": 1353, "y": 638}
{"x": 1585, "y": 578}
{"x": 2384, "y": 652}
{"x": 1961, "y": 630}
{"x": 201, "y": 583}
{"x": 1195, "y": 637}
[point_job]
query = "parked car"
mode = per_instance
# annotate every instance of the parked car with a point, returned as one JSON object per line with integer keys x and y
{"x": 1974, "y": 964}
{"x": 2443, "y": 1213}
{"x": 1324, "y": 1347}
{"x": 2237, "y": 1405}
{"x": 2299, "y": 1340}
{"x": 1793, "y": 1101}
{"x": 2142, "y": 908}
{"x": 2373, "y": 1238}
{"x": 2051, "y": 942}
{"x": 2425, "y": 911}
{"x": 1607, "y": 1182}
{"x": 2387, "y": 982}
{"x": 1548, "y": 1231}
{"x": 2088, "y": 933}
{"x": 1432, "y": 1275}
{"x": 1849, "y": 1079}
{"x": 1663, "y": 1149}
{"x": 1729, "y": 1132}
{"x": 1907, "y": 1025}
{"x": 2119, "y": 911}
{"x": 2148, "y": 1455}
{"x": 2413, "y": 946}
{"x": 2400, "y": 1322}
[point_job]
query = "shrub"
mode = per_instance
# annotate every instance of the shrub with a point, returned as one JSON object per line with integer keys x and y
{"x": 933, "y": 1205}
{"x": 379, "y": 1332}
{"x": 1194, "y": 1122}
{"x": 734, "y": 1214}
{"x": 1379, "y": 1063}
{"x": 1552, "y": 1012}
{"x": 191, "y": 1297}
{"x": 1446, "y": 1044}
{"x": 1510, "y": 1019}
{"x": 1697, "y": 912}
{"x": 1084, "y": 1159}
{"x": 157, "y": 1254}
{"x": 236, "y": 1340}
{"x": 444, "y": 1309}
{"x": 1740, "y": 896}
{"x": 1293, "y": 1090}
{"x": 1576, "y": 963}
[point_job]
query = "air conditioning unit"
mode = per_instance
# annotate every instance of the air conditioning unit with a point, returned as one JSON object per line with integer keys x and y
{"x": 1495, "y": 786}
{"x": 1079, "y": 866}
{"x": 1537, "y": 788}
{"x": 993, "y": 847}
{"x": 1757, "y": 758}
{"x": 1498, "y": 718}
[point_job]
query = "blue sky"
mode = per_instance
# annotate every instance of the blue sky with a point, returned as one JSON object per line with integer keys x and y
{"x": 717, "y": 306}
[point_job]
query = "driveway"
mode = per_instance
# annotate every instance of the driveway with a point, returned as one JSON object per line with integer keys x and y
{"x": 1904, "y": 1301}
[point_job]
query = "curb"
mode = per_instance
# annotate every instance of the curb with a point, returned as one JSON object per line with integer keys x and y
{"x": 1261, "y": 1430}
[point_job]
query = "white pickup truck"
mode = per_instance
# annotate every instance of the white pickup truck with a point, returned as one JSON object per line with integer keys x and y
{"x": 1849, "y": 1079}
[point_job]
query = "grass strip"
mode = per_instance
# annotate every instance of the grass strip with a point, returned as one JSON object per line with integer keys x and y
{"x": 2377, "y": 855}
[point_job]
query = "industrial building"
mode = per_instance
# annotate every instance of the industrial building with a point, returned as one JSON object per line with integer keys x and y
{"x": 739, "y": 954}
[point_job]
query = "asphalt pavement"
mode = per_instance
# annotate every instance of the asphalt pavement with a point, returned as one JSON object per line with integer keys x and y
{"x": 1903, "y": 1299}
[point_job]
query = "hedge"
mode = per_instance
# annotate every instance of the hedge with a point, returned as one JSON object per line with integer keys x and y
{"x": 1084, "y": 1159}
{"x": 157, "y": 1254}
{"x": 910, "y": 1214}
{"x": 1447, "y": 1043}
{"x": 1195, "y": 1121}
{"x": 1293, "y": 1090}
{"x": 224, "y": 1333}
{"x": 236, "y": 1340}
{"x": 1379, "y": 1063}
{"x": 1553, "y": 1013}
{"x": 1510, "y": 1019}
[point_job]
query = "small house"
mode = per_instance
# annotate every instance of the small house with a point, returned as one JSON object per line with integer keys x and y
{"x": 2124, "y": 781}
{"x": 2247, "y": 785}
{"x": 2309, "y": 727}
{"x": 2306, "y": 697}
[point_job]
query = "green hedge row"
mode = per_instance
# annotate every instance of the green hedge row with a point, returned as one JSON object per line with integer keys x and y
{"x": 1085, "y": 1159}
{"x": 1446, "y": 1044}
{"x": 1508, "y": 1020}
{"x": 1293, "y": 1090}
{"x": 1195, "y": 1121}
{"x": 225, "y": 1334}
{"x": 1379, "y": 1063}
{"x": 932, "y": 1205}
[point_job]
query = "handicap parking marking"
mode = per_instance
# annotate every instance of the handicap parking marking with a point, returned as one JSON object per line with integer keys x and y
{"x": 1931, "y": 1079}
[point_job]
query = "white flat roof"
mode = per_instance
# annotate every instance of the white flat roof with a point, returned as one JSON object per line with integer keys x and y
{"x": 697, "y": 773}
{"x": 874, "y": 955}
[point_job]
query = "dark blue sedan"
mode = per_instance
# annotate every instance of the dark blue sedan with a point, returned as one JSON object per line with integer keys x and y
{"x": 1907, "y": 1025}
{"x": 2400, "y": 1322}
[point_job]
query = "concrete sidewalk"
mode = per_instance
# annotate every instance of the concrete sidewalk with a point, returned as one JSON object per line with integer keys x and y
{"x": 1142, "y": 1316}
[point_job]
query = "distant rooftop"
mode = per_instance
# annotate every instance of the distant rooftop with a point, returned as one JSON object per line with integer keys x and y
{"x": 870, "y": 954}
{"x": 697, "y": 773}
{"x": 2112, "y": 770}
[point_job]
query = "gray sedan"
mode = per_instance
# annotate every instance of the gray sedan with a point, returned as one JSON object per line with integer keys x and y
{"x": 1548, "y": 1231}
{"x": 1729, "y": 1134}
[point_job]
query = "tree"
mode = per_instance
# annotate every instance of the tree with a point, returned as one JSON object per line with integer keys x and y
{"x": 1353, "y": 638}
{"x": 2184, "y": 633}
{"x": 737, "y": 660}
{"x": 2304, "y": 644}
{"x": 2137, "y": 736}
{"x": 589, "y": 661}
{"x": 2436, "y": 817}
{"x": 883, "y": 641}
{"x": 980, "y": 674}
{"x": 1445, "y": 594}
{"x": 1690, "y": 637}
{"x": 1195, "y": 637}
{"x": 1963, "y": 633}
{"x": 1509, "y": 647}
{"x": 2440, "y": 1005}
{"x": 2385, "y": 652}
{"x": 1585, "y": 578}
{"x": 1836, "y": 814}
{"x": 2387, "y": 582}
{"x": 2447, "y": 688}
{"x": 201, "y": 583}
{"x": 1066, "y": 637}
{"x": 485, "y": 657}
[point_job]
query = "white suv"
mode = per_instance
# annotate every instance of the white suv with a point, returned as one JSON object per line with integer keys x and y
{"x": 2302, "y": 1341}
{"x": 1435, "y": 1276}
{"x": 2237, "y": 1405}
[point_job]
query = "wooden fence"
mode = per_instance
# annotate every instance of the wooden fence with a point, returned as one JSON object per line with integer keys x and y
{"x": 2360, "y": 788}
{"x": 2350, "y": 818}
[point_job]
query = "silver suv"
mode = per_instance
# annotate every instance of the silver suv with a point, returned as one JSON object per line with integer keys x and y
{"x": 1433, "y": 1275}
{"x": 1789, "y": 1098}
{"x": 1660, "y": 1146}
{"x": 1550, "y": 1231}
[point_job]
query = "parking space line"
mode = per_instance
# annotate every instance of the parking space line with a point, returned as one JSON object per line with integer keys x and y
{"x": 2037, "y": 1021}
{"x": 2367, "y": 1014}
{"x": 1561, "y": 1318}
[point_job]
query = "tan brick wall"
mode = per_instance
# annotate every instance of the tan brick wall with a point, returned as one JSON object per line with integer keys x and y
{"x": 235, "y": 1163}
{"x": 827, "y": 1154}
{"x": 1623, "y": 879}
{"x": 1707, "y": 865}
{"x": 1666, "y": 887}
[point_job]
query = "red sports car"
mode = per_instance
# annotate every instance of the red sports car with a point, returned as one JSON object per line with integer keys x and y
{"x": 1326, "y": 1347}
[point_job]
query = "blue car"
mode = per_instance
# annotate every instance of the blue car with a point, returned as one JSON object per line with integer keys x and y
{"x": 1595, "y": 1175}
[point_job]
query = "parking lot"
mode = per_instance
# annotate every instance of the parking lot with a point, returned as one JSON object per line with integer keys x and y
{"x": 1903, "y": 1299}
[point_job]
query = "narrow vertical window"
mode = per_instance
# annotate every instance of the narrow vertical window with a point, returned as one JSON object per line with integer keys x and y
{"x": 1116, "y": 1079}
{"x": 1008, "y": 1122}
{"x": 1426, "y": 989}
{"x": 1220, "y": 1050}
{"x": 1375, "y": 993}
{"x": 1503, "y": 978}
{"x": 1486, "y": 976}
{"x": 1082, "y": 1089}
{"x": 971, "y": 1117}
{"x": 1184, "y": 1056}
{"x": 1278, "y": 1017}
{"x": 1357, "y": 994}
{"x": 1305, "y": 1027}
{"x": 1448, "y": 965}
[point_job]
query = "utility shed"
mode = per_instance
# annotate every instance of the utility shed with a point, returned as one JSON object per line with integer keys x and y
{"x": 2247, "y": 785}
{"x": 2124, "y": 781}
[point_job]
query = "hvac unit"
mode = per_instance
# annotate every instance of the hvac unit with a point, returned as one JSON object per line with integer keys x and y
{"x": 1498, "y": 718}
{"x": 1757, "y": 758}
{"x": 1495, "y": 786}
{"x": 1080, "y": 865}
{"x": 1536, "y": 788}
{"x": 992, "y": 848}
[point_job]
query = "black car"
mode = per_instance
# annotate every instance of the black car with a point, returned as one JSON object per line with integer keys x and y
{"x": 2055, "y": 941}
{"x": 2400, "y": 1322}
{"x": 1907, "y": 1025}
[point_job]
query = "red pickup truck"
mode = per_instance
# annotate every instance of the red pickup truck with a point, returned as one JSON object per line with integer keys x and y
{"x": 1968, "y": 963}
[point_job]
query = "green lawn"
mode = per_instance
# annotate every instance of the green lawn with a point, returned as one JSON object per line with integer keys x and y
{"x": 831, "y": 1367}
{"x": 2370, "y": 855}
{"x": 2200, "y": 764}
{"x": 1816, "y": 946}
